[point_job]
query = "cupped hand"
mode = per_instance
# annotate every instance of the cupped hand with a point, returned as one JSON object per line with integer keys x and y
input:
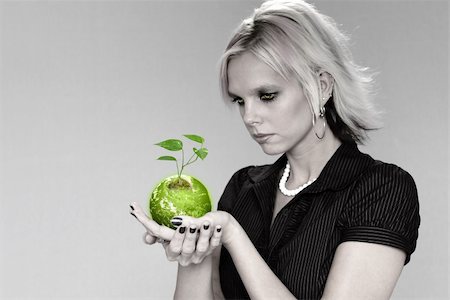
{"x": 193, "y": 240}
{"x": 215, "y": 219}
{"x": 192, "y": 243}
{"x": 197, "y": 238}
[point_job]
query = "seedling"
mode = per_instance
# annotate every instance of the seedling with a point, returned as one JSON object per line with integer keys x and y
{"x": 177, "y": 145}
{"x": 180, "y": 194}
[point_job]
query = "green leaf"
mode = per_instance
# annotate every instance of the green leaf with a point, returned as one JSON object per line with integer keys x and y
{"x": 195, "y": 138}
{"x": 171, "y": 145}
{"x": 202, "y": 152}
{"x": 167, "y": 158}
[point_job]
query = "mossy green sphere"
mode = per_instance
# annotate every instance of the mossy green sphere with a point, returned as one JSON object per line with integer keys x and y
{"x": 179, "y": 197}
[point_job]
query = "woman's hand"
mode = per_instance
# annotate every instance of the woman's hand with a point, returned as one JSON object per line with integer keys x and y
{"x": 193, "y": 240}
{"x": 155, "y": 232}
{"x": 197, "y": 238}
{"x": 215, "y": 219}
{"x": 192, "y": 243}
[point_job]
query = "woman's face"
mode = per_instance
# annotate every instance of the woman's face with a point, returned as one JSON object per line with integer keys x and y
{"x": 270, "y": 105}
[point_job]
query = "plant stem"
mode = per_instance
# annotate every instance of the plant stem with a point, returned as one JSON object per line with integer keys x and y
{"x": 176, "y": 161}
{"x": 182, "y": 163}
{"x": 188, "y": 163}
{"x": 191, "y": 162}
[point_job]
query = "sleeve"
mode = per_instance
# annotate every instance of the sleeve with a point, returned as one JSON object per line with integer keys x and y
{"x": 232, "y": 189}
{"x": 383, "y": 209}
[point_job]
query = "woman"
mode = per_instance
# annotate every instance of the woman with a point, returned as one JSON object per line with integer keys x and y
{"x": 323, "y": 221}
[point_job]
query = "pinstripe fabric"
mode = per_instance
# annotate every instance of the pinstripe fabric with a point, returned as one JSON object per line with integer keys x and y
{"x": 355, "y": 198}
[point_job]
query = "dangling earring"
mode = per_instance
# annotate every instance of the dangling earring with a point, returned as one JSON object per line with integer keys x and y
{"x": 322, "y": 117}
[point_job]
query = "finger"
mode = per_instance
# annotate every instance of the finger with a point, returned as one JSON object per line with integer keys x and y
{"x": 202, "y": 247}
{"x": 154, "y": 228}
{"x": 149, "y": 239}
{"x": 203, "y": 239}
{"x": 189, "y": 241}
{"x": 188, "y": 220}
{"x": 176, "y": 221}
{"x": 174, "y": 248}
{"x": 216, "y": 237}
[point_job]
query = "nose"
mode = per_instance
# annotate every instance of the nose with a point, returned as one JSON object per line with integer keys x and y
{"x": 251, "y": 116}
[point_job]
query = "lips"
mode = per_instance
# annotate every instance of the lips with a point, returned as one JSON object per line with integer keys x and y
{"x": 260, "y": 138}
{"x": 259, "y": 135}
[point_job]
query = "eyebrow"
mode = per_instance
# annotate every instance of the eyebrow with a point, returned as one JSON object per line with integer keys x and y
{"x": 260, "y": 89}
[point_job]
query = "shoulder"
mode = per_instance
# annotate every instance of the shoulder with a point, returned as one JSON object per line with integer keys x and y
{"x": 384, "y": 187}
{"x": 386, "y": 178}
{"x": 383, "y": 208}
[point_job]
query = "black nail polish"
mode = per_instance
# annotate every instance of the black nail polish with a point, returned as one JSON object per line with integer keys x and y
{"x": 198, "y": 230}
{"x": 192, "y": 230}
{"x": 131, "y": 206}
{"x": 182, "y": 229}
{"x": 206, "y": 226}
{"x": 133, "y": 214}
{"x": 176, "y": 223}
{"x": 177, "y": 218}
{"x": 219, "y": 229}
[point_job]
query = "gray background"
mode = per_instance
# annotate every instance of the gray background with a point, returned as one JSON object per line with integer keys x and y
{"x": 88, "y": 87}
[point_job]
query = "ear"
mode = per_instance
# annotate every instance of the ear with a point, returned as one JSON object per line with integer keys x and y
{"x": 326, "y": 82}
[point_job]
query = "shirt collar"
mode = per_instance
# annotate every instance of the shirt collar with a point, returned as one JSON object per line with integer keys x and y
{"x": 346, "y": 164}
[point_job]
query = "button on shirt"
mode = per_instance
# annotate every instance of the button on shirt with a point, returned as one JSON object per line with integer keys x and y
{"x": 355, "y": 198}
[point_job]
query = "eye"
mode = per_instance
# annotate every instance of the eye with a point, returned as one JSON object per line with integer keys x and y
{"x": 238, "y": 100}
{"x": 268, "y": 96}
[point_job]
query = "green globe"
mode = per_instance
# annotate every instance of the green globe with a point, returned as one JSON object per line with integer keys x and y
{"x": 173, "y": 196}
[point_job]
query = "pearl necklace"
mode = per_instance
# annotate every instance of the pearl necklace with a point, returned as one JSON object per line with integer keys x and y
{"x": 283, "y": 181}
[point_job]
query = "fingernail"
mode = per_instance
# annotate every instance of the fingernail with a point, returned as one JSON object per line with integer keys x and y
{"x": 182, "y": 229}
{"x": 219, "y": 229}
{"x": 177, "y": 218}
{"x": 131, "y": 206}
{"x": 176, "y": 222}
{"x": 206, "y": 226}
{"x": 198, "y": 230}
{"x": 192, "y": 229}
{"x": 133, "y": 214}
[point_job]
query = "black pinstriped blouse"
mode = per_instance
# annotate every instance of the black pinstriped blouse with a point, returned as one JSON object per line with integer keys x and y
{"x": 355, "y": 198}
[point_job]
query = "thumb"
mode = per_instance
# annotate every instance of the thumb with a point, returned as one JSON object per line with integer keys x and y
{"x": 149, "y": 238}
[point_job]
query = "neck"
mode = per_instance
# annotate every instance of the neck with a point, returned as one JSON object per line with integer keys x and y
{"x": 308, "y": 160}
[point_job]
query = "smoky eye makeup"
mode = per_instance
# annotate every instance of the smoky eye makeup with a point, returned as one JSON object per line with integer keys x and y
{"x": 267, "y": 96}
{"x": 237, "y": 100}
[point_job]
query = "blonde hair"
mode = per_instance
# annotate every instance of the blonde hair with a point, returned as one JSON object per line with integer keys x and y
{"x": 294, "y": 39}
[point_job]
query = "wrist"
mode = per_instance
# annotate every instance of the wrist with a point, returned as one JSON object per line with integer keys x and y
{"x": 232, "y": 230}
{"x": 190, "y": 276}
{"x": 193, "y": 267}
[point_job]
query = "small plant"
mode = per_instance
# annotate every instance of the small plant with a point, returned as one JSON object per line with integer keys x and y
{"x": 177, "y": 145}
{"x": 180, "y": 194}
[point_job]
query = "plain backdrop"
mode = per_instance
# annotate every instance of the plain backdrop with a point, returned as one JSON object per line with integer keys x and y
{"x": 88, "y": 87}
